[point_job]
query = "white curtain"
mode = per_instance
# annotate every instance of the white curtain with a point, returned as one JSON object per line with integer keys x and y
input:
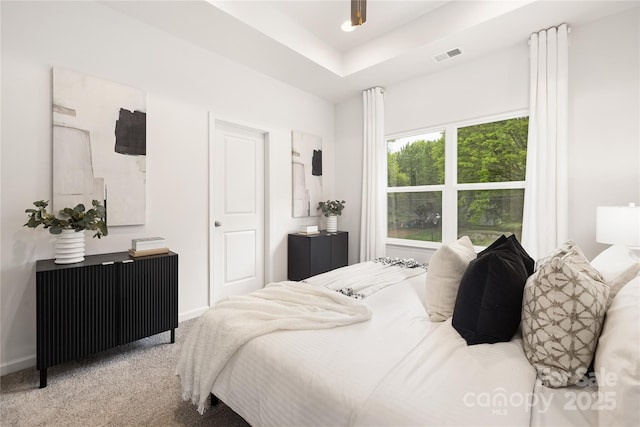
{"x": 545, "y": 220}
{"x": 373, "y": 224}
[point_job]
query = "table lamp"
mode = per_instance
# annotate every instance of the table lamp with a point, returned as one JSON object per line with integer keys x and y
{"x": 619, "y": 225}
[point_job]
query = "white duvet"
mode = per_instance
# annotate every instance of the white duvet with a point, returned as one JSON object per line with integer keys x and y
{"x": 319, "y": 377}
{"x": 312, "y": 306}
{"x": 444, "y": 382}
{"x": 396, "y": 369}
{"x": 224, "y": 328}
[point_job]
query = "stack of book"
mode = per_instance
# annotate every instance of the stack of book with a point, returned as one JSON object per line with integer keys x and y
{"x": 309, "y": 229}
{"x": 148, "y": 246}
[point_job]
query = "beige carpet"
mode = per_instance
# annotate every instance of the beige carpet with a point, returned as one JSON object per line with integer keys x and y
{"x": 132, "y": 385}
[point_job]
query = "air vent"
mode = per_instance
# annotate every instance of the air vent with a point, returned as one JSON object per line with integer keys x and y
{"x": 447, "y": 55}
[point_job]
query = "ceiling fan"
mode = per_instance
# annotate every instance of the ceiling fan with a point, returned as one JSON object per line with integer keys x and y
{"x": 358, "y": 12}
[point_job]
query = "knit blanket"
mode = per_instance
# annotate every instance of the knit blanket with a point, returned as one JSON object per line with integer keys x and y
{"x": 366, "y": 278}
{"x": 225, "y": 327}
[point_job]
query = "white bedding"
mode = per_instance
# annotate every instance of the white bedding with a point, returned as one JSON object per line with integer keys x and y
{"x": 445, "y": 382}
{"x": 413, "y": 372}
{"x": 319, "y": 377}
{"x": 220, "y": 331}
{"x": 575, "y": 405}
{"x": 367, "y": 278}
{"x": 396, "y": 369}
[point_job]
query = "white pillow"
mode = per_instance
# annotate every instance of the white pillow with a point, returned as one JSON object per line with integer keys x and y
{"x": 617, "y": 266}
{"x": 446, "y": 268}
{"x": 613, "y": 261}
{"x": 617, "y": 360}
{"x": 621, "y": 280}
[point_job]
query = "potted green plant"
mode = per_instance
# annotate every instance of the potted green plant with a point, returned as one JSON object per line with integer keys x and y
{"x": 76, "y": 218}
{"x": 331, "y": 209}
{"x": 69, "y": 227}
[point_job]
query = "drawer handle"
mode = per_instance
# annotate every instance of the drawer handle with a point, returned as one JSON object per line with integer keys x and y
{"x": 107, "y": 263}
{"x": 126, "y": 261}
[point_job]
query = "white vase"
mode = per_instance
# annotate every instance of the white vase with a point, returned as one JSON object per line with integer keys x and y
{"x": 69, "y": 247}
{"x": 332, "y": 223}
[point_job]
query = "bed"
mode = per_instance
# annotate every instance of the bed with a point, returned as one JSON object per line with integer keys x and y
{"x": 396, "y": 364}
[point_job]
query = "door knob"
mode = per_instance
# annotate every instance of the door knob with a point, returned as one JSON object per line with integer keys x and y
{"x": 217, "y": 223}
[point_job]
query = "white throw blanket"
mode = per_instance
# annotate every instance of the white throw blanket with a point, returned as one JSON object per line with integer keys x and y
{"x": 224, "y": 328}
{"x": 366, "y": 278}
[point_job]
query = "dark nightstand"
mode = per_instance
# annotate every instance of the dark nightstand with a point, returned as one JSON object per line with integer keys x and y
{"x": 313, "y": 254}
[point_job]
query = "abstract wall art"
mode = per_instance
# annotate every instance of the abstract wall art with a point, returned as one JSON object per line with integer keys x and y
{"x": 306, "y": 161}
{"x": 99, "y": 146}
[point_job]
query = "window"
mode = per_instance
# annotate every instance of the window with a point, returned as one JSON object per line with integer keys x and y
{"x": 461, "y": 179}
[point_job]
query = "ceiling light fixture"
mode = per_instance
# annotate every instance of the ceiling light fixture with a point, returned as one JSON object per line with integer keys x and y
{"x": 347, "y": 27}
{"x": 358, "y": 12}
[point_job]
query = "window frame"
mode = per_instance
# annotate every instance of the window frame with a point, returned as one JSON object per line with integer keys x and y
{"x": 451, "y": 187}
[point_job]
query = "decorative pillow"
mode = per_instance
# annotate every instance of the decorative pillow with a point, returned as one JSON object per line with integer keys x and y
{"x": 498, "y": 242}
{"x": 562, "y": 313}
{"x": 513, "y": 244}
{"x": 617, "y": 266}
{"x": 569, "y": 251}
{"x": 617, "y": 360}
{"x": 489, "y": 300}
{"x": 613, "y": 261}
{"x": 621, "y": 280}
{"x": 446, "y": 268}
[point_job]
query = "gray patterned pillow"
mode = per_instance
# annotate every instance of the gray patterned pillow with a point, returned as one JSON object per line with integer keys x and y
{"x": 569, "y": 251}
{"x": 563, "y": 310}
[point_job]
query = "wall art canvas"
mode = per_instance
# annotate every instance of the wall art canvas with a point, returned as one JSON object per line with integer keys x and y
{"x": 99, "y": 146}
{"x": 306, "y": 161}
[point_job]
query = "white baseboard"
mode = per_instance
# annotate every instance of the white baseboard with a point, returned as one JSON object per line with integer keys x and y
{"x": 18, "y": 365}
{"x": 29, "y": 361}
{"x": 192, "y": 314}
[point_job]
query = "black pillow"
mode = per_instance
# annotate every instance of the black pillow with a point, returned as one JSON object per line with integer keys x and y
{"x": 512, "y": 243}
{"x": 489, "y": 302}
{"x": 492, "y": 247}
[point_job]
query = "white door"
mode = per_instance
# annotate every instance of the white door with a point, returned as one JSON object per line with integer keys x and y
{"x": 237, "y": 208}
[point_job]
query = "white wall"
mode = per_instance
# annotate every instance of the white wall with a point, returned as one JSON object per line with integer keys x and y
{"x": 603, "y": 129}
{"x": 604, "y": 121}
{"x": 183, "y": 84}
{"x": 348, "y": 160}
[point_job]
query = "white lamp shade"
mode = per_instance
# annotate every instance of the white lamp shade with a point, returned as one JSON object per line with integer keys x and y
{"x": 618, "y": 225}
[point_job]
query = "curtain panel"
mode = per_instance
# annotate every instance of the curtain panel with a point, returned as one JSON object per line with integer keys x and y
{"x": 545, "y": 219}
{"x": 373, "y": 224}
